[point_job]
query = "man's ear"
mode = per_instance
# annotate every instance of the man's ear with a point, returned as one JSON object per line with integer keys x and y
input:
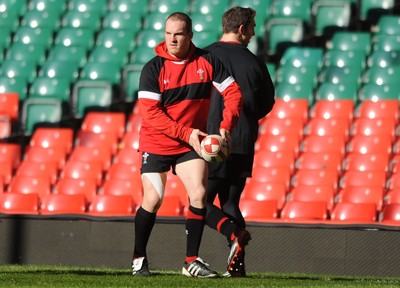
{"x": 241, "y": 29}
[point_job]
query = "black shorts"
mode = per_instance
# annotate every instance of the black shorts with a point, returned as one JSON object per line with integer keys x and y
{"x": 155, "y": 163}
{"x": 236, "y": 166}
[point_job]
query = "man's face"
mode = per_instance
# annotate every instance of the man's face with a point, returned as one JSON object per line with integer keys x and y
{"x": 248, "y": 33}
{"x": 176, "y": 38}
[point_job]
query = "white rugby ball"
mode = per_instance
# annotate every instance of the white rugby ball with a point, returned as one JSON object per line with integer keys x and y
{"x": 214, "y": 148}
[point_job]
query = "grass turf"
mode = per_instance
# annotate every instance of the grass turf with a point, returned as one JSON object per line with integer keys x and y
{"x": 61, "y": 276}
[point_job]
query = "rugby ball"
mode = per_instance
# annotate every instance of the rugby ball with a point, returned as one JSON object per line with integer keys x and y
{"x": 214, "y": 148}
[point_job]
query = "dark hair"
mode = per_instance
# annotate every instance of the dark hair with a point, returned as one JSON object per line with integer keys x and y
{"x": 182, "y": 17}
{"x": 236, "y": 16}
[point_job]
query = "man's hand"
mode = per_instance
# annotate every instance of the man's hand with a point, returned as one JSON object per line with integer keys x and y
{"x": 226, "y": 136}
{"x": 194, "y": 140}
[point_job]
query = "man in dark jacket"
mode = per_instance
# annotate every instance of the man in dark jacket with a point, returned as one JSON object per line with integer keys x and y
{"x": 227, "y": 179}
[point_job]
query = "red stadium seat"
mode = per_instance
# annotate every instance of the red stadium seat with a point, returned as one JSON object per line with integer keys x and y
{"x": 114, "y": 186}
{"x": 274, "y": 159}
{"x": 323, "y": 144}
{"x": 295, "y": 108}
{"x": 10, "y": 152}
{"x": 287, "y": 143}
{"x": 43, "y": 155}
{"x": 356, "y": 178}
{"x": 83, "y": 170}
{"x": 130, "y": 140}
{"x": 100, "y": 122}
{"x": 258, "y": 210}
{"x": 175, "y": 187}
{"x": 5, "y": 127}
{"x": 328, "y": 109}
{"x": 17, "y": 203}
{"x": 354, "y": 212}
{"x": 369, "y": 144}
{"x": 374, "y": 127}
{"x": 53, "y": 137}
{"x": 123, "y": 171}
{"x": 311, "y": 177}
{"x": 26, "y": 185}
{"x": 366, "y": 162}
{"x": 85, "y": 186}
{"x": 9, "y": 105}
{"x": 264, "y": 191}
{"x": 171, "y": 207}
{"x": 393, "y": 181}
{"x": 6, "y": 171}
{"x": 112, "y": 205}
{"x": 97, "y": 140}
{"x": 272, "y": 175}
{"x": 128, "y": 156}
{"x": 277, "y": 126}
{"x": 391, "y": 214}
{"x": 319, "y": 161}
{"x": 392, "y": 196}
{"x": 377, "y": 109}
{"x": 53, "y": 204}
{"x": 304, "y": 210}
{"x": 304, "y": 193}
{"x": 134, "y": 122}
{"x": 37, "y": 169}
{"x": 361, "y": 194}
{"x": 337, "y": 127}
{"x": 100, "y": 154}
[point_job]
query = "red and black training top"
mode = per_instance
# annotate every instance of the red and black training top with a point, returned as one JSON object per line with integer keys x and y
{"x": 174, "y": 98}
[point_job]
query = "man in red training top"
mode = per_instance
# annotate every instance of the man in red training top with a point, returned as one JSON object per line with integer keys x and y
{"x": 174, "y": 97}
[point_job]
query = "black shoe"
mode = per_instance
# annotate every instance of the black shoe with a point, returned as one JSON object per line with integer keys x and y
{"x": 140, "y": 267}
{"x": 236, "y": 267}
{"x": 198, "y": 268}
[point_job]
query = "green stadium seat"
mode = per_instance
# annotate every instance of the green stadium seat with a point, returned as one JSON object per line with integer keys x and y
{"x": 282, "y": 33}
{"x": 93, "y": 6}
{"x": 350, "y": 40}
{"x": 116, "y": 38}
{"x": 44, "y": 87}
{"x": 386, "y": 42}
{"x": 130, "y": 82}
{"x": 40, "y": 112}
{"x": 76, "y": 54}
{"x": 202, "y": 23}
{"x": 9, "y": 21}
{"x": 287, "y": 92}
{"x": 292, "y": 9}
{"x": 333, "y": 91}
{"x": 101, "y": 54}
{"x": 272, "y": 67}
{"x": 302, "y": 56}
{"x": 41, "y": 19}
{"x": 36, "y": 36}
{"x": 217, "y": 7}
{"x": 90, "y": 96}
{"x": 77, "y": 19}
{"x": 19, "y": 68}
{"x": 375, "y": 92}
{"x": 329, "y": 17}
{"x": 297, "y": 75}
{"x": 381, "y": 76}
{"x": 344, "y": 58}
{"x": 16, "y": 84}
{"x": 60, "y": 70}
{"x": 131, "y": 22}
{"x": 205, "y": 38}
{"x": 155, "y": 21}
{"x": 17, "y": 7}
{"x": 388, "y": 24}
{"x": 169, "y": 6}
{"x": 56, "y": 7}
{"x": 137, "y": 6}
{"x": 371, "y": 10}
{"x": 27, "y": 52}
{"x": 149, "y": 38}
{"x": 141, "y": 55}
{"x": 383, "y": 58}
{"x": 109, "y": 72}
{"x": 69, "y": 36}
{"x": 5, "y": 38}
{"x": 339, "y": 75}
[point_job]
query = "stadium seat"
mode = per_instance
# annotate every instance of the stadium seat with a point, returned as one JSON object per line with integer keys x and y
{"x": 382, "y": 58}
{"x": 366, "y": 162}
{"x": 83, "y": 186}
{"x": 9, "y": 22}
{"x": 314, "y": 177}
{"x": 59, "y": 204}
{"x": 137, "y": 6}
{"x": 17, "y": 203}
{"x": 132, "y": 187}
{"x": 258, "y": 210}
{"x": 40, "y": 112}
{"x": 175, "y": 188}
{"x": 106, "y": 141}
{"x": 369, "y": 144}
{"x": 131, "y": 22}
{"x": 280, "y": 175}
{"x": 355, "y": 213}
{"x": 306, "y": 75}
{"x": 41, "y": 19}
{"x": 354, "y": 178}
{"x": 288, "y": 91}
{"x": 155, "y": 20}
{"x": 338, "y": 127}
{"x": 383, "y": 42}
{"x": 274, "y": 159}
{"x": 46, "y": 154}
{"x": 149, "y": 38}
{"x": 38, "y": 169}
{"x": 6, "y": 170}
{"x": 204, "y": 23}
{"x": 27, "y": 52}
{"x": 54, "y": 6}
{"x": 60, "y": 70}
{"x": 5, "y": 127}
{"x": 304, "y": 193}
{"x": 30, "y": 184}
{"x": 276, "y": 126}
{"x": 5, "y": 38}
{"x": 37, "y": 36}
{"x": 19, "y": 68}
{"x": 53, "y": 137}
{"x": 141, "y": 55}
{"x": 130, "y": 140}
{"x": 82, "y": 170}
{"x": 282, "y": 33}
{"x": 112, "y": 205}
{"x": 171, "y": 207}
{"x": 265, "y": 191}
{"x": 323, "y": 144}
{"x": 319, "y": 161}
{"x": 387, "y": 24}
{"x": 337, "y": 91}
{"x": 11, "y": 152}
{"x": 340, "y": 75}
{"x": 292, "y": 9}
{"x": 128, "y": 156}
{"x": 344, "y": 58}
{"x": 361, "y": 194}
{"x": 9, "y": 105}
{"x": 88, "y": 96}
{"x": 287, "y": 143}
{"x": 71, "y": 54}
{"x": 18, "y": 85}
{"x": 102, "y": 54}
{"x": 295, "y": 108}
{"x": 130, "y": 82}
{"x": 304, "y": 210}
{"x": 107, "y": 122}
{"x": 69, "y": 36}
{"x": 359, "y": 42}
{"x": 375, "y": 92}
{"x": 328, "y": 109}
{"x": 390, "y": 214}
{"x": 53, "y": 88}
{"x": 394, "y": 163}
{"x": 93, "y": 6}
{"x": 95, "y": 71}
{"x": 371, "y": 11}
{"x": 384, "y": 127}
{"x": 381, "y": 76}
{"x": 81, "y": 19}
{"x": 217, "y": 7}
{"x": 301, "y": 56}
{"x": 116, "y": 38}
{"x": 329, "y": 17}
{"x": 393, "y": 181}
{"x": 102, "y": 155}
{"x": 377, "y": 109}
{"x": 123, "y": 171}
{"x": 168, "y": 6}
{"x": 391, "y": 196}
